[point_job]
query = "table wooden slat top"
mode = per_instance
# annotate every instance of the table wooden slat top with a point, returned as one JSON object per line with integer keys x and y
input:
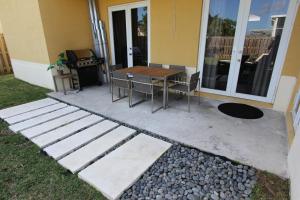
{"x": 150, "y": 71}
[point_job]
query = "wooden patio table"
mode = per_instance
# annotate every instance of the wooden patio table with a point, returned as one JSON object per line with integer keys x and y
{"x": 155, "y": 73}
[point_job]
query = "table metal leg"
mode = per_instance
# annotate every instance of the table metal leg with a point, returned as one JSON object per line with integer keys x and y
{"x": 165, "y": 94}
{"x": 55, "y": 85}
{"x": 63, "y": 84}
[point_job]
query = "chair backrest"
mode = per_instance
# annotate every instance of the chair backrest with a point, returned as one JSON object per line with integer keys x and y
{"x": 178, "y": 67}
{"x": 142, "y": 83}
{"x": 155, "y": 65}
{"x": 120, "y": 79}
{"x": 115, "y": 67}
{"x": 194, "y": 81}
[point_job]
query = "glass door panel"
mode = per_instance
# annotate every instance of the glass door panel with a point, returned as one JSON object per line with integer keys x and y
{"x": 264, "y": 29}
{"x": 120, "y": 37}
{"x": 221, "y": 29}
{"x": 139, "y": 36}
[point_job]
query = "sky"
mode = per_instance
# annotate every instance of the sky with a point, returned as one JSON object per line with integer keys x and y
{"x": 262, "y": 8}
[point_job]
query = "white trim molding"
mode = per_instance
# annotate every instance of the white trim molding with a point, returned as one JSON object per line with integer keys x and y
{"x": 33, "y": 73}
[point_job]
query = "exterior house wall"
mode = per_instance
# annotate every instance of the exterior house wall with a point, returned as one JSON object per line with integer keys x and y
{"x": 175, "y": 27}
{"x": 25, "y": 40}
{"x": 294, "y": 166}
{"x": 66, "y": 25}
{"x": 1, "y": 29}
{"x": 292, "y": 63}
{"x": 36, "y": 31}
{"x": 289, "y": 80}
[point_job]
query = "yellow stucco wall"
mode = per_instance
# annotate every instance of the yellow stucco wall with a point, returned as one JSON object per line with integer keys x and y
{"x": 66, "y": 25}
{"x": 174, "y": 29}
{"x": 292, "y": 63}
{"x": 1, "y": 29}
{"x": 24, "y": 33}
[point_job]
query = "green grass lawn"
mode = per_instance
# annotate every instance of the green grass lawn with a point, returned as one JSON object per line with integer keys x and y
{"x": 25, "y": 173}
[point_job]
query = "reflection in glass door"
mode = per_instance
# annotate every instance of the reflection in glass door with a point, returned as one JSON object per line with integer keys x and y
{"x": 221, "y": 29}
{"x": 239, "y": 47}
{"x": 139, "y": 36}
{"x": 260, "y": 46}
{"x": 129, "y": 34}
{"x": 120, "y": 37}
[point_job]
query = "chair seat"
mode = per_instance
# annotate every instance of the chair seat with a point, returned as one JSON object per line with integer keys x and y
{"x": 179, "y": 87}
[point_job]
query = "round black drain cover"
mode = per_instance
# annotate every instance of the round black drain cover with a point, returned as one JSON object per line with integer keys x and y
{"x": 242, "y": 111}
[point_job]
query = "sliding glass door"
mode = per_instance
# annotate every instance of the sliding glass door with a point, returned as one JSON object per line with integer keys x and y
{"x": 241, "y": 42}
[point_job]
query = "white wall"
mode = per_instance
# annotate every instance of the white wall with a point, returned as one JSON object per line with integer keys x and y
{"x": 294, "y": 167}
{"x": 34, "y": 73}
{"x": 284, "y": 93}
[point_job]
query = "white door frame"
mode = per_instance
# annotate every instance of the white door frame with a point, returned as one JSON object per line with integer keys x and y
{"x": 244, "y": 11}
{"x": 127, "y": 8}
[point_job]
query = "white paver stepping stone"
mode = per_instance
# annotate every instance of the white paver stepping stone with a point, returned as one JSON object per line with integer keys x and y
{"x": 35, "y": 113}
{"x": 43, "y": 118}
{"x": 117, "y": 171}
{"x": 65, "y": 131}
{"x": 53, "y": 124}
{"x": 83, "y": 156}
{"x": 16, "y": 110}
{"x": 66, "y": 146}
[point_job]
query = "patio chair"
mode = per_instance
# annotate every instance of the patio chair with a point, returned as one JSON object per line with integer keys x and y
{"x": 113, "y": 68}
{"x": 155, "y": 65}
{"x": 143, "y": 84}
{"x": 179, "y": 77}
{"x": 182, "y": 76}
{"x": 187, "y": 87}
{"x": 120, "y": 81}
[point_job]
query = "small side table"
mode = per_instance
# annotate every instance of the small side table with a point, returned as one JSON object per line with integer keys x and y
{"x": 62, "y": 77}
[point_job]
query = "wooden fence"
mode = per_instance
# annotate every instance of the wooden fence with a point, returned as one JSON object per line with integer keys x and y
{"x": 253, "y": 46}
{"x": 5, "y": 64}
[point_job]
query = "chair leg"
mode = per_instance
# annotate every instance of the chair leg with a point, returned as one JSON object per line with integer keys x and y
{"x": 189, "y": 106}
{"x": 129, "y": 96}
{"x": 112, "y": 93}
{"x": 152, "y": 101}
{"x": 199, "y": 92}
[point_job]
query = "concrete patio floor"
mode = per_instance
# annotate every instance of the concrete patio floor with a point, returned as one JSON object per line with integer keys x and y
{"x": 260, "y": 143}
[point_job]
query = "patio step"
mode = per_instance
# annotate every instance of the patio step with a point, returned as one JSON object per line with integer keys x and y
{"x": 68, "y": 145}
{"x": 84, "y": 156}
{"x": 43, "y": 118}
{"x": 35, "y": 113}
{"x": 65, "y": 131}
{"x": 117, "y": 171}
{"x": 16, "y": 110}
{"x": 53, "y": 124}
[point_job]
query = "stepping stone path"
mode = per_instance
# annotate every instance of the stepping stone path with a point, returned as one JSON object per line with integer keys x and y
{"x": 117, "y": 171}
{"x": 105, "y": 154}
